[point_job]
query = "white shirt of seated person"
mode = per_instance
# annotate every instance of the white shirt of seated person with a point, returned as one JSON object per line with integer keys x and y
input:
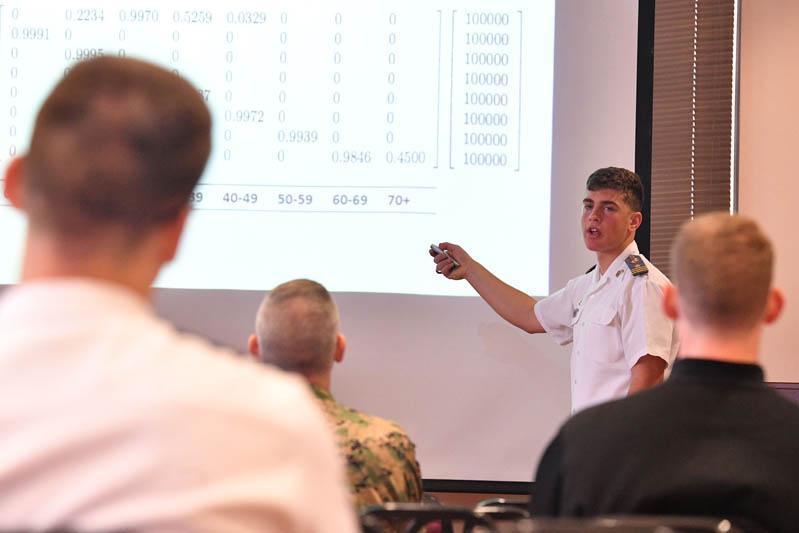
{"x": 113, "y": 421}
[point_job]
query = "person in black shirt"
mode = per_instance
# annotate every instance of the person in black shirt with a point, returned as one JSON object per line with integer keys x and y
{"x": 714, "y": 439}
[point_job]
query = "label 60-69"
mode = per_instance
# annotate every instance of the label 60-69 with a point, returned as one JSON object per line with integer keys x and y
{"x": 350, "y": 199}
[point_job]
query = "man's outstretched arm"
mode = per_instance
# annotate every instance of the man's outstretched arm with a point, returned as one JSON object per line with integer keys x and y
{"x": 509, "y": 302}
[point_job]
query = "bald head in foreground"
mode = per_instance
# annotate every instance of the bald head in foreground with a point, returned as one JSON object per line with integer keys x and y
{"x": 714, "y": 439}
{"x": 111, "y": 420}
{"x": 297, "y": 329}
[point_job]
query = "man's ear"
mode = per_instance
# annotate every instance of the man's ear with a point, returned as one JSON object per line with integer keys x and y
{"x": 341, "y": 346}
{"x": 12, "y": 188}
{"x": 253, "y": 347}
{"x": 671, "y": 306}
{"x": 774, "y": 305}
{"x": 636, "y": 219}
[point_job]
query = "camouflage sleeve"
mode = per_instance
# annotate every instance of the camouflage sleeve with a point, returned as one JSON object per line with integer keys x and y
{"x": 384, "y": 469}
{"x": 404, "y": 455}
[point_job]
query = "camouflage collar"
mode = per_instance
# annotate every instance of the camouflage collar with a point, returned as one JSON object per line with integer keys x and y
{"x": 323, "y": 394}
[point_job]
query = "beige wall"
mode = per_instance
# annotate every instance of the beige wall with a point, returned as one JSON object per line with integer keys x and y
{"x": 769, "y": 156}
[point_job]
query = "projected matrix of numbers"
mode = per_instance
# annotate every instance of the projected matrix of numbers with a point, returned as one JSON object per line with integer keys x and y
{"x": 353, "y": 108}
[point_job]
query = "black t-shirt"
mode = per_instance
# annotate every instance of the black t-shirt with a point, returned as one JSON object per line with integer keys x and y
{"x": 713, "y": 440}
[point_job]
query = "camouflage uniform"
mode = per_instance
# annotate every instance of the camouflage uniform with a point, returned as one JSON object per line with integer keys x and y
{"x": 381, "y": 462}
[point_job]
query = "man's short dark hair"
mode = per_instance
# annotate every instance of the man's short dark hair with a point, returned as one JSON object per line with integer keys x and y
{"x": 619, "y": 179}
{"x": 119, "y": 144}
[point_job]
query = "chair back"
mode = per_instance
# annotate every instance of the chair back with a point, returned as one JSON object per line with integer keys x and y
{"x": 504, "y": 515}
{"x": 503, "y": 502}
{"x": 628, "y": 524}
{"x": 415, "y": 518}
{"x": 678, "y": 524}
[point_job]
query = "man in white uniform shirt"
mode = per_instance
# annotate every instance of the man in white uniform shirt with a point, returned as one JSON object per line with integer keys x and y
{"x": 110, "y": 419}
{"x": 622, "y": 340}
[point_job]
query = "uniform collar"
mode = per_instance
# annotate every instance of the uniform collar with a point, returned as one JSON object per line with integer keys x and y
{"x": 323, "y": 394}
{"x": 616, "y": 265}
{"x": 688, "y": 369}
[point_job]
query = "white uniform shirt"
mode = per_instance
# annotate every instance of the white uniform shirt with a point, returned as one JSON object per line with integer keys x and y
{"x": 112, "y": 421}
{"x": 613, "y": 320}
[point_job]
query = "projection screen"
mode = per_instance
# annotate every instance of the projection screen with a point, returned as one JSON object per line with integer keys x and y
{"x": 349, "y": 136}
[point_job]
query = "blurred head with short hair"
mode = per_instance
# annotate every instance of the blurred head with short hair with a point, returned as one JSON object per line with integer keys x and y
{"x": 116, "y": 150}
{"x": 297, "y": 329}
{"x": 722, "y": 268}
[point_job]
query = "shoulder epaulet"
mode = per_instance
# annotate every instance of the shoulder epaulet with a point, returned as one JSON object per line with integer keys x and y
{"x": 590, "y": 269}
{"x": 636, "y": 265}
